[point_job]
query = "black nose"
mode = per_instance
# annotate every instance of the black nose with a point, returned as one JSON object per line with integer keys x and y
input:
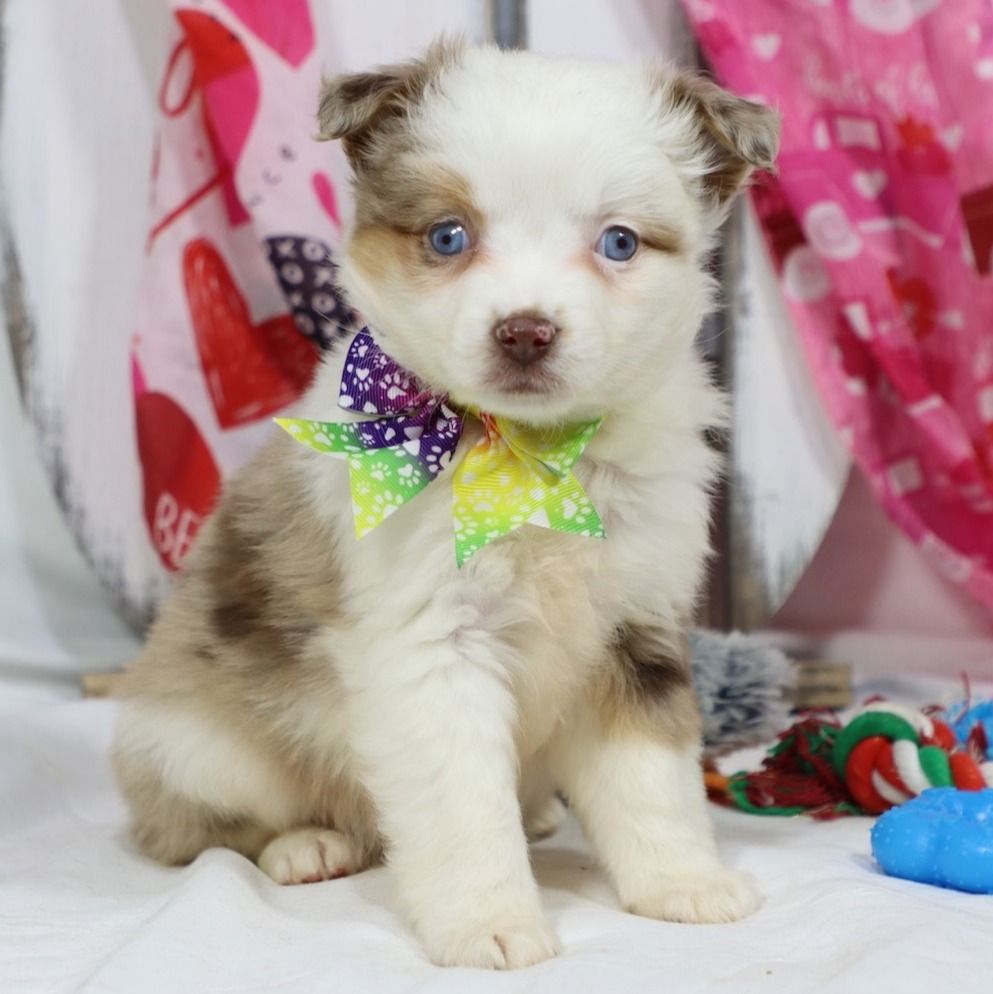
{"x": 526, "y": 338}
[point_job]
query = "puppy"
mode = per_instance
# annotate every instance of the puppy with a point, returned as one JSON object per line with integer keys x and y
{"x": 320, "y": 703}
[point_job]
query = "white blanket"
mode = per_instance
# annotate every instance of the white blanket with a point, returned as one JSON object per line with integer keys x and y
{"x": 81, "y": 911}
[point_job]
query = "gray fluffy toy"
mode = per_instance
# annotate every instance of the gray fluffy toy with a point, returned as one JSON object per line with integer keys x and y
{"x": 744, "y": 687}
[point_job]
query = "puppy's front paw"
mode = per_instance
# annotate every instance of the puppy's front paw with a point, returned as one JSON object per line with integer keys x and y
{"x": 500, "y": 944}
{"x": 308, "y": 855}
{"x": 714, "y": 897}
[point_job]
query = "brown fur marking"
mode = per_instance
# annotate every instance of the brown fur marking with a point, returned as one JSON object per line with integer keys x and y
{"x": 646, "y": 687}
{"x": 366, "y": 109}
{"x": 246, "y": 606}
{"x": 741, "y": 135}
{"x": 235, "y": 644}
{"x": 411, "y": 194}
{"x": 395, "y": 210}
{"x": 661, "y": 237}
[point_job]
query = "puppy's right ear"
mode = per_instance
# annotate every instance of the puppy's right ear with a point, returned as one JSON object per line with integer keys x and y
{"x": 361, "y": 106}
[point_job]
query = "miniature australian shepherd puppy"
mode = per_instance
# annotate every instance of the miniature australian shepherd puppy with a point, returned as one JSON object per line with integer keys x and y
{"x": 529, "y": 237}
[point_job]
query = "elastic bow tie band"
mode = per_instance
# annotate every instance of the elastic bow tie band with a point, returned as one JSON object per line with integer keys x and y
{"x": 515, "y": 474}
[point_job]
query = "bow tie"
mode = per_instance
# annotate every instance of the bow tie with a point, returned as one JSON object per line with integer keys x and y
{"x": 516, "y": 474}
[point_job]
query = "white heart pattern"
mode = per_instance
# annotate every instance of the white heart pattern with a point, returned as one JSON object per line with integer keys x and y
{"x": 869, "y": 182}
{"x": 766, "y": 46}
{"x": 951, "y": 137}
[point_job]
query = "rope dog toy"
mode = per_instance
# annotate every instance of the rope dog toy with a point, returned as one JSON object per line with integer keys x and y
{"x": 883, "y": 757}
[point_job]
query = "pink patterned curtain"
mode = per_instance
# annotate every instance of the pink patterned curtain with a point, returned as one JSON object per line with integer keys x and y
{"x": 238, "y": 296}
{"x": 881, "y": 227}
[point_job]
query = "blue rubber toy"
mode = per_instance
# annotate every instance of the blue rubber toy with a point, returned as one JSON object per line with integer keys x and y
{"x": 942, "y": 837}
{"x": 964, "y": 719}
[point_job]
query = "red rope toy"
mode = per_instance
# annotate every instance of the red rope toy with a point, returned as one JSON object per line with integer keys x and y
{"x": 884, "y": 756}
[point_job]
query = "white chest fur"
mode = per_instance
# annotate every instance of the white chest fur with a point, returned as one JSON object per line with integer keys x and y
{"x": 536, "y": 605}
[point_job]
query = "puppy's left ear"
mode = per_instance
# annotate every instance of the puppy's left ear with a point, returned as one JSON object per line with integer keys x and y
{"x": 733, "y": 136}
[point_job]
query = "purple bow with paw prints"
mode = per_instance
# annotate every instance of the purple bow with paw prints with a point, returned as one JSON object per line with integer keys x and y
{"x": 374, "y": 383}
{"x": 394, "y": 457}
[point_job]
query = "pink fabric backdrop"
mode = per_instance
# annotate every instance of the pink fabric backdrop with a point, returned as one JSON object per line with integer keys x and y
{"x": 881, "y": 226}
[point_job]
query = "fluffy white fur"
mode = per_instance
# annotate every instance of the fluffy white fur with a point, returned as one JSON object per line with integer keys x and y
{"x": 460, "y": 695}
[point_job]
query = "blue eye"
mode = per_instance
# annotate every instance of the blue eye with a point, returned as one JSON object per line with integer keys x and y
{"x": 448, "y": 238}
{"x": 617, "y": 243}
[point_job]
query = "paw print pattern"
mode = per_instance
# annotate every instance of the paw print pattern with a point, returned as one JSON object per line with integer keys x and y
{"x": 403, "y": 414}
{"x": 306, "y": 274}
{"x": 517, "y": 475}
{"x": 381, "y": 483}
{"x": 383, "y": 477}
{"x": 408, "y": 440}
{"x": 514, "y": 475}
{"x": 373, "y": 383}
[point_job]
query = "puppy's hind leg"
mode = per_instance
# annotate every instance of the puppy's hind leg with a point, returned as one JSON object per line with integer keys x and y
{"x": 174, "y": 830}
{"x": 192, "y": 784}
{"x": 542, "y": 810}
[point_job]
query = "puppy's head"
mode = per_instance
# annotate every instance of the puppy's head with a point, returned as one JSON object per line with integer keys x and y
{"x": 529, "y": 232}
